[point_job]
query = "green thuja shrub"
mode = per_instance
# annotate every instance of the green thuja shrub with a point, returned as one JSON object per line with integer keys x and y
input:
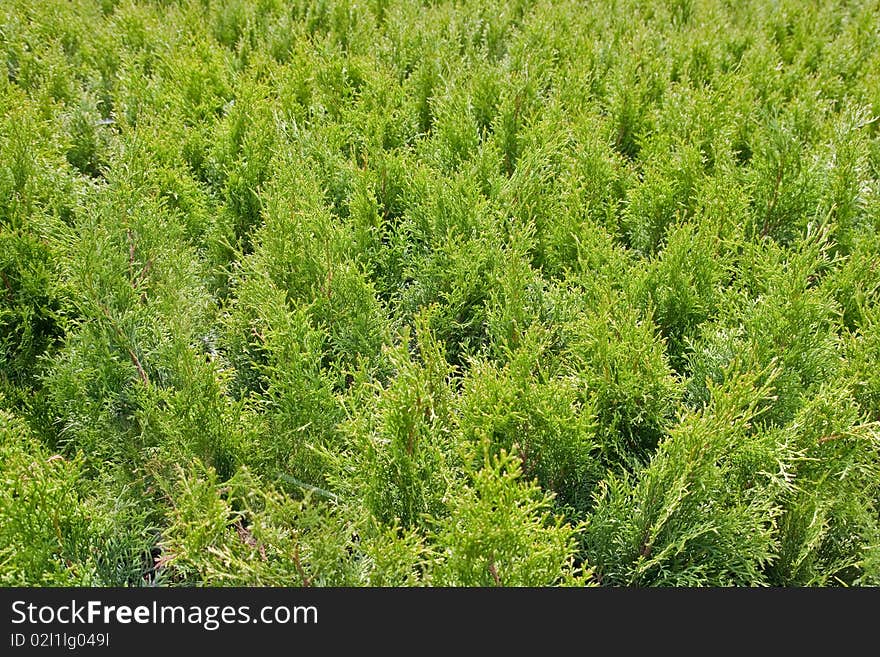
{"x": 276, "y": 355}
{"x": 130, "y": 277}
{"x": 516, "y": 295}
{"x": 31, "y": 311}
{"x": 862, "y": 350}
{"x": 405, "y": 453}
{"x": 455, "y": 250}
{"x": 779, "y": 313}
{"x": 44, "y": 527}
{"x": 240, "y": 532}
{"x": 465, "y": 293}
{"x": 502, "y": 532}
{"x": 664, "y": 196}
{"x": 833, "y": 506}
{"x": 705, "y": 509}
{"x": 536, "y": 413}
{"x": 618, "y": 361}
{"x": 61, "y": 529}
{"x": 124, "y": 547}
{"x": 304, "y": 252}
{"x": 855, "y": 283}
{"x": 681, "y": 287}
{"x": 783, "y": 194}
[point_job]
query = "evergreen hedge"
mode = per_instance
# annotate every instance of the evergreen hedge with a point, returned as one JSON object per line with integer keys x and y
{"x": 473, "y": 293}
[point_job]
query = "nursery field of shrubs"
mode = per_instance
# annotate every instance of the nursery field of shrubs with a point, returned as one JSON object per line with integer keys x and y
{"x": 440, "y": 293}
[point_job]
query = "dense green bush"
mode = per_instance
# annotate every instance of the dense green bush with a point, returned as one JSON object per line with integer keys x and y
{"x": 452, "y": 293}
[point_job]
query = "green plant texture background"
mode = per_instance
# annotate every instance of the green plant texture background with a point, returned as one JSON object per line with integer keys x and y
{"x": 440, "y": 293}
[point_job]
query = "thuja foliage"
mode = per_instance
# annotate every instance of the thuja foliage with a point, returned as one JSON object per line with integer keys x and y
{"x": 400, "y": 293}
